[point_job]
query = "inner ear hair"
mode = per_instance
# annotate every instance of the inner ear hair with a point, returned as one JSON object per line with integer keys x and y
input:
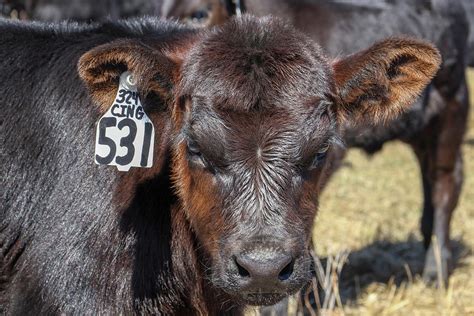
{"x": 379, "y": 83}
{"x": 101, "y": 67}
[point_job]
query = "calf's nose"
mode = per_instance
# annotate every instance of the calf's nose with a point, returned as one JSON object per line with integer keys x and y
{"x": 264, "y": 268}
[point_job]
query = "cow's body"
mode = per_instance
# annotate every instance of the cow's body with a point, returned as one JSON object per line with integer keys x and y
{"x": 60, "y": 212}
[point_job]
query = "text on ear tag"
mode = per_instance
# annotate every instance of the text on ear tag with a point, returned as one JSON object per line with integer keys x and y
{"x": 125, "y": 134}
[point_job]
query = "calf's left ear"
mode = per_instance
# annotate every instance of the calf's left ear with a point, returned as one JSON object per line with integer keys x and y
{"x": 380, "y": 83}
{"x": 155, "y": 70}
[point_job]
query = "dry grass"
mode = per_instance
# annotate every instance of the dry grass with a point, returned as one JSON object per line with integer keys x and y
{"x": 371, "y": 210}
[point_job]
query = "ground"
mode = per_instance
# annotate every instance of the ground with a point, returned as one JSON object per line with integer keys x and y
{"x": 370, "y": 214}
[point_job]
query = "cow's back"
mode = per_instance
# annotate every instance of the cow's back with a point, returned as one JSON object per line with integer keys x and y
{"x": 343, "y": 27}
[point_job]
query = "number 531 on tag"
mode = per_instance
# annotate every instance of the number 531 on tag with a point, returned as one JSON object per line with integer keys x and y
{"x": 125, "y": 134}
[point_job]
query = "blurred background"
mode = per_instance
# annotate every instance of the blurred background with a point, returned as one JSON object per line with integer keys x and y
{"x": 367, "y": 230}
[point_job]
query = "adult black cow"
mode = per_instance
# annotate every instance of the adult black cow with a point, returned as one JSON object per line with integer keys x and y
{"x": 435, "y": 125}
{"x": 244, "y": 117}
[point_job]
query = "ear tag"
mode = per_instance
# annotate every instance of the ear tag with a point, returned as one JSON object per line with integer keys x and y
{"x": 125, "y": 135}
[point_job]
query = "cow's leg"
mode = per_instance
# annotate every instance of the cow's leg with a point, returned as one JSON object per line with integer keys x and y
{"x": 445, "y": 194}
{"x": 439, "y": 154}
{"x": 427, "y": 218}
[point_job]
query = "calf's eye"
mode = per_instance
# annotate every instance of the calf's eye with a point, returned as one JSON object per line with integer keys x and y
{"x": 324, "y": 148}
{"x": 320, "y": 156}
{"x": 193, "y": 149}
{"x": 195, "y": 156}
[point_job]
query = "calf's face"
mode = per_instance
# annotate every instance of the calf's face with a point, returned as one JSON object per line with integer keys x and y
{"x": 257, "y": 108}
{"x": 249, "y": 182}
{"x": 255, "y": 123}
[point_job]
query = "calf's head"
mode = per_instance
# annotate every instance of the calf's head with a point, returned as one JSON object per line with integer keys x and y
{"x": 257, "y": 108}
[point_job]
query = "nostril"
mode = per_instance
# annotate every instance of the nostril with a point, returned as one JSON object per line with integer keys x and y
{"x": 263, "y": 266}
{"x": 287, "y": 271}
{"x": 242, "y": 271}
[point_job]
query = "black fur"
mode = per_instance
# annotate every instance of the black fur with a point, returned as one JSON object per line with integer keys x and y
{"x": 58, "y": 217}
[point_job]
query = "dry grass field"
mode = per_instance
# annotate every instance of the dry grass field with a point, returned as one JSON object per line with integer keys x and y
{"x": 370, "y": 212}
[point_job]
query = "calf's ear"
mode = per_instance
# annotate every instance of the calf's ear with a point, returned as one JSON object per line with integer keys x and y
{"x": 156, "y": 70}
{"x": 378, "y": 84}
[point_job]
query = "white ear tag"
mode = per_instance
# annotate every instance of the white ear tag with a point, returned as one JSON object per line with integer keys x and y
{"x": 125, "y": 135}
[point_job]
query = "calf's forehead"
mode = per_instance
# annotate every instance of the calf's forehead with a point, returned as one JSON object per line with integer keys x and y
{"x": 257, "y": 63}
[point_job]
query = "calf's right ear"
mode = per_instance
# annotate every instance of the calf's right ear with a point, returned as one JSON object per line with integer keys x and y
{"x": 381, "y": 82}
{"x": 156, "y": 70}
